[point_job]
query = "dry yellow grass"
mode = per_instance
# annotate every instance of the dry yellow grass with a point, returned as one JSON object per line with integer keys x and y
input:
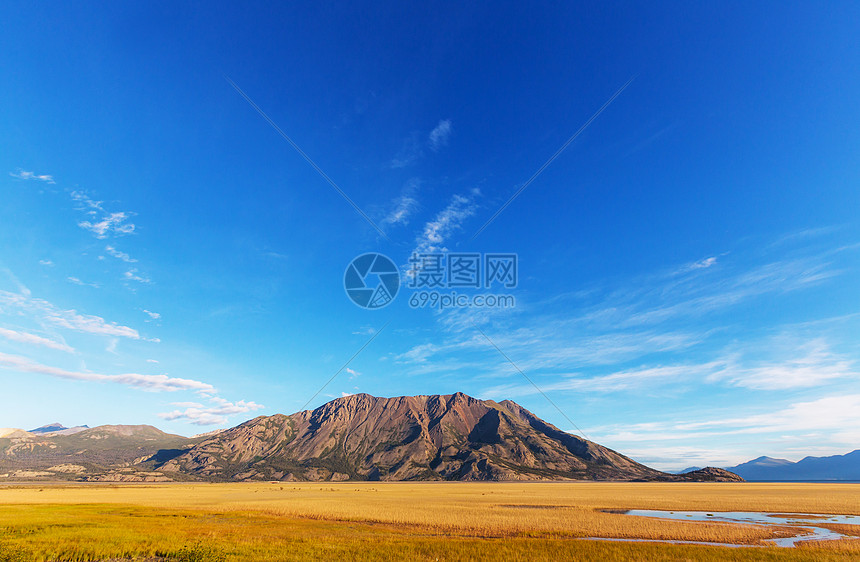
{"x": 482, "y": 509}
{"x": 426, "y": 512}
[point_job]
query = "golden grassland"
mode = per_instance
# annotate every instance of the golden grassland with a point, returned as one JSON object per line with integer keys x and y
{"x": 424, "y": 521}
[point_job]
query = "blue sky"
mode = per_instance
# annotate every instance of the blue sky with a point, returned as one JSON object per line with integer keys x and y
{"x": 688, "y": 265}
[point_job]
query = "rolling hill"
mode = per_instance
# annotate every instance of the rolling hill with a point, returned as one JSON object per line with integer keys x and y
{"x": 108, "y": 452}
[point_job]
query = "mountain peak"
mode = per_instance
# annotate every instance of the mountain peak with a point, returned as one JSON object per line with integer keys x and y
{"x": 425, "y": 437}
{"x": 49, "y": 428}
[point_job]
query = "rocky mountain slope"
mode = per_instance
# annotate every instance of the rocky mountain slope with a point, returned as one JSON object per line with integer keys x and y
{"x": 450, "y": 437}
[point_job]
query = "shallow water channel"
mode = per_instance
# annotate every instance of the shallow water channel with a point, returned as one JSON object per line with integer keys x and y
{"x": 807, "y": 524}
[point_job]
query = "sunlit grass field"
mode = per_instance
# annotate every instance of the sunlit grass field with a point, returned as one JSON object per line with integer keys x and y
{"x": 388, "y": 521}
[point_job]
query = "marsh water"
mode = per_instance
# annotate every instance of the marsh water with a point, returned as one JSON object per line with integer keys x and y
{"x": 807, "y": 524}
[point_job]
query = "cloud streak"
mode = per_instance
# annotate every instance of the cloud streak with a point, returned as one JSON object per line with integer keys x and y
{"x": 154, "y": 383}
{"x": 830, "y": 421}
{"x": 447, "y": 222}
{"x": 69, "y": 319}
{"x": 403, "y": 207}
{"x": 24, "y": 337}
{"x": 77, "y": 281}
{"x": 701, "y": 264}
{"x": 119, "y": 255}
{"x": 813, "y": 365}
{"x": 133, "y": 275}
{"x": 24, "y": 175}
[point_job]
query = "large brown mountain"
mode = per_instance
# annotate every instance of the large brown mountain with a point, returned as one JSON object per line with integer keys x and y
{"x": 450, "y": 437}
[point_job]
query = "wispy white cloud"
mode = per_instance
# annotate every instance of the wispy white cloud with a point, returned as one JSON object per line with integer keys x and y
{"x": 813, "y": 365}
{"x": 447, "y": 222}
{"x": 24, "y": 337}
{"x": 701, "y": 264}
{"x": 647, "y": 321}
{"x": 87, "y": 203}
{"x": 119, "y": 255}
{"x": 152, "y": 315}
{"x": 627, "y": 380}
{"x": 70, "y": 319}
{"x": 24, "y": 292}
{"x": 46, "y": 263}
{"x": 24, "y": 175}
{"x": 836, "y": 412}
{"x": 418, "y": 353}
{"x": 215, "y": 413}
{"x": 653, "y": 300}
{"x": 413, "y": 147}
{"x": 403, "y": 206}
{"x": 109, "y": 224}
{"x": 549, "y": 346}
{"x": 409, "y": 154}
{"x": 146, "y": 382}
{"x": 113, "y": 223}
{"x": 440, "y": 134}
{"x": 805, "y": 234}
{"x": 90, "y": 324}
{"x": 786, "y": 431}
{"x": 832, "y": 412}
{"x": 132, "y": 275}
{"x": 276, "y": 255}
{"x": 77, "y": 281}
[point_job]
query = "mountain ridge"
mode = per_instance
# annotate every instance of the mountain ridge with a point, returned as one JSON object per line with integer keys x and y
{"x": 357, "y": 437}
{"x": 830, "y": 468}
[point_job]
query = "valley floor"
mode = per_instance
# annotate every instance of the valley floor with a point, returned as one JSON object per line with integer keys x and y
{"x": 394, "y": 521}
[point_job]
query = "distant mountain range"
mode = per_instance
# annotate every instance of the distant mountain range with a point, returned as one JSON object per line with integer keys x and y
{"x": 836, "y": 467}
{"x": 359, "y": 437}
